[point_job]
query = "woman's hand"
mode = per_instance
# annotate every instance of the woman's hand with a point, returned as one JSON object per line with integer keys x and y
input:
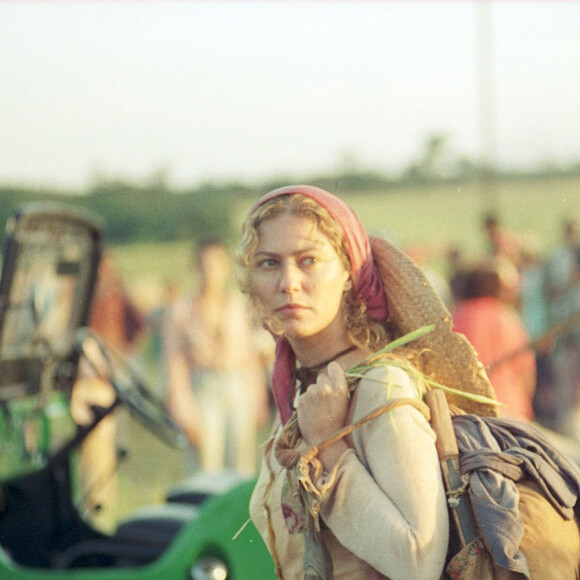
{"x": 322, "y": 411}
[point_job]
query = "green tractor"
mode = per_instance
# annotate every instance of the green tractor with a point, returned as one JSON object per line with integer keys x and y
{"x": 50, "y": 260}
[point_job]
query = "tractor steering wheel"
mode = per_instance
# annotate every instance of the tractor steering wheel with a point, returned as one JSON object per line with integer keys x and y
{"x": 129, "y": 387}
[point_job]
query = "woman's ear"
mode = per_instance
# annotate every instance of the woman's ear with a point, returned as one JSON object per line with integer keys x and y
{"x": 347, "y": 286}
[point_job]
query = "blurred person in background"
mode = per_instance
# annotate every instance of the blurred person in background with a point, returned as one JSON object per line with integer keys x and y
{"x": 534, "y": 313}
{"x": 216, "y": 389}
{"x": 496, "y": 331}
{"x": 505, "y": 250}
{"x": 562, "y": 290}
{"x": 114, "y": 315}
{"x": 118, "y": 321}
{"x": 458, "y": 267}
{"x": 532, "y": 300}
{"x": 501, "y": 241}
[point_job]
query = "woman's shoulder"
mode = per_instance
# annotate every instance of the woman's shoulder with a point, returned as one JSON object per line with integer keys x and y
{"x": 385, "y": 384}
{"x": 388, "y": 381}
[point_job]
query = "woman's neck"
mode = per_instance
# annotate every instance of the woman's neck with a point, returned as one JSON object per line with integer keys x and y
{"x": 328, "y": 344}
{"x": 316, "y": 352}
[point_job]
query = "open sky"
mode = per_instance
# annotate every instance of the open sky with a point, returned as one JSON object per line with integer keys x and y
{"x": 251, "y": 89}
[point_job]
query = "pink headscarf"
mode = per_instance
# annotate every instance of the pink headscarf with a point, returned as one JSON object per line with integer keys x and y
{"x": 366, "y": 280}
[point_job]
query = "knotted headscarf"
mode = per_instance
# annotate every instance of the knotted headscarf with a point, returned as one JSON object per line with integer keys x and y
{"x": 365, "y": 277}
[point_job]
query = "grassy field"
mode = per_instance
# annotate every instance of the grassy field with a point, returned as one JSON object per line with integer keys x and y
{"x": 435, "y": 217}
{"x": 445, "y": 215}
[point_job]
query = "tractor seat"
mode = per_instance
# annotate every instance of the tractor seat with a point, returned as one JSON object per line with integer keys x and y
{"x": 137, "y": 541}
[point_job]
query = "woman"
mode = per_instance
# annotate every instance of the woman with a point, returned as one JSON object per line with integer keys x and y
{"x": 371, "y": 507}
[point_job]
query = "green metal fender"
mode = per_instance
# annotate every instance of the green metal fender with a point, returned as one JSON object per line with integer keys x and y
{"x": 221, "y": 530}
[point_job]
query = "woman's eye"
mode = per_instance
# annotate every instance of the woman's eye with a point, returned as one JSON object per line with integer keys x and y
{"x": 267, "y": 263}
{"x": 309, "y": 261}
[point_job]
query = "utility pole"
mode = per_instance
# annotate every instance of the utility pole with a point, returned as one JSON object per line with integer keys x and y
{"x": 487, "y": 109}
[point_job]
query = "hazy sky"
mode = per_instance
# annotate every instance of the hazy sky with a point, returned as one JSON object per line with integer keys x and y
{"x": 241, "y": 89}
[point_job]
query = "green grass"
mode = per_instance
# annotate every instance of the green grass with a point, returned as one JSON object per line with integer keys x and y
{"x": 436, "y": 217}
{"x": 164, "y": 261}
{"x": 148, "y": 471}
{"x": 453, "y": 215}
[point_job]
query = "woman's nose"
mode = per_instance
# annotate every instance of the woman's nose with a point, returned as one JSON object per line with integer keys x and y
{"x": 289, "y": 278}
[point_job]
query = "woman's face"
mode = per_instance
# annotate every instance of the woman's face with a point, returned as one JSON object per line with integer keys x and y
{"x": 297, "y": 278}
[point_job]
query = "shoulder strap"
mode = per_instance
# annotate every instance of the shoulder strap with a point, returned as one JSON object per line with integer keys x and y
{"x": 288, "y": 456}
{"x": 393, "y": 404}
{"x": 448, "y": 452}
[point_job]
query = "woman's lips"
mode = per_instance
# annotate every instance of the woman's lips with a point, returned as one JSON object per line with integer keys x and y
{"x": 290, "y": 309}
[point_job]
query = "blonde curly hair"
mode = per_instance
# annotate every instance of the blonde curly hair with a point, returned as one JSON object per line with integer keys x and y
{"x": 365, "y": 332}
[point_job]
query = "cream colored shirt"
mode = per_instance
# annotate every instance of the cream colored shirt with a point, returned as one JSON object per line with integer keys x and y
{"x": 384, "y": 503}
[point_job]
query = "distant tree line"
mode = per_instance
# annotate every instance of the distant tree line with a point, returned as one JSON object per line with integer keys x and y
{"x": 153, "y": 210}
{"x": 133, "y": 213}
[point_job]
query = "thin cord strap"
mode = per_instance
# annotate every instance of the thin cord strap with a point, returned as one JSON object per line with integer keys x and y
{"x": 289, "y": 457}
{"x": 307, "y": 375}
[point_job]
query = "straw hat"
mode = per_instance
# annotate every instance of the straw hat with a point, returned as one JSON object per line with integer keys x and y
{"x": 446, "y": 357}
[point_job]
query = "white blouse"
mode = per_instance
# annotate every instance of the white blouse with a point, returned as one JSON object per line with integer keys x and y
{"x": 384, "y": 502}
